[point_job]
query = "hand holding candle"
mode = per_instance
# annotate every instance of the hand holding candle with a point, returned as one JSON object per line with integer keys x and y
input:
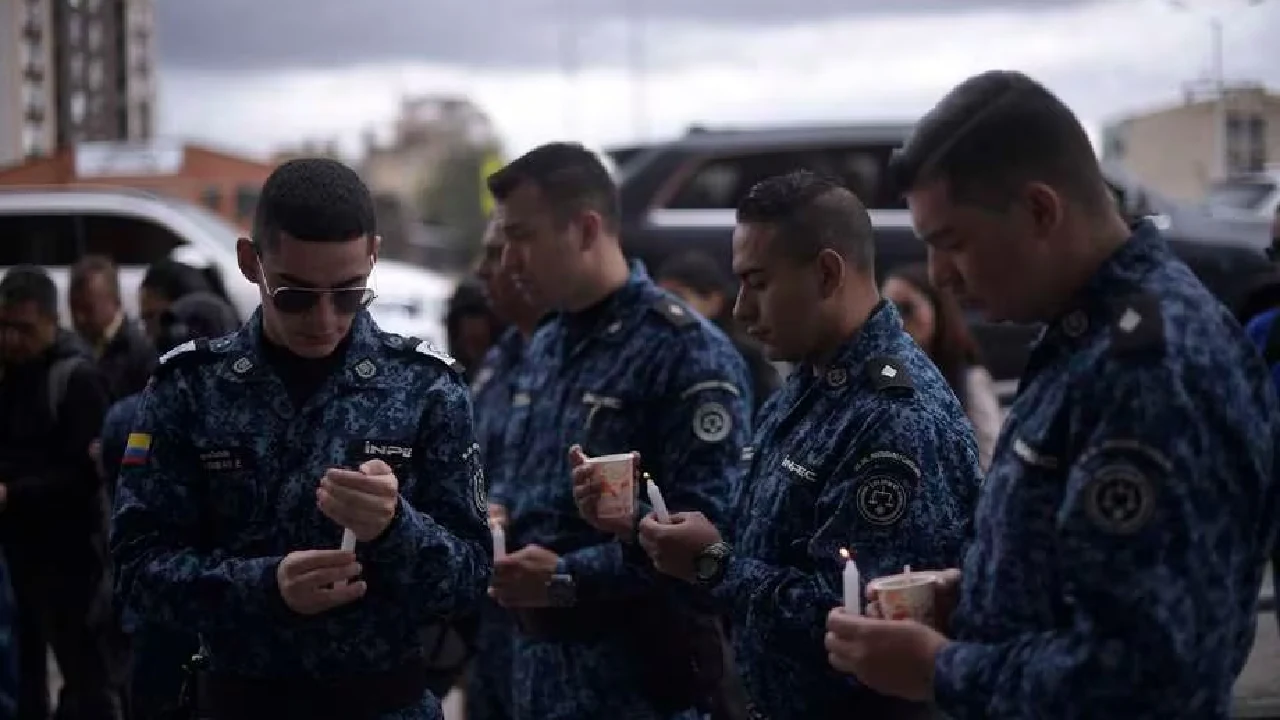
{"x": 852, "y": 584}
{"x": 348, "y": 545}
{"x": 656, "y": 500}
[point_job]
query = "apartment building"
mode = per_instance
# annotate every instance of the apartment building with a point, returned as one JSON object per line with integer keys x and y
{"x": 1181, "y": 150}
{"x": 74, "y": 71}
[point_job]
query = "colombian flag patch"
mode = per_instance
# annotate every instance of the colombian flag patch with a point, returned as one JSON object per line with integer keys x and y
{"x": 136, "y": 449}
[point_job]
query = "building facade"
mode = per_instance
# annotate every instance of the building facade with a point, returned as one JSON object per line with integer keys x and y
{"x": 1181, "y": 150}
{"x": 221, "y": 182}
{"x": 74, "y": 71}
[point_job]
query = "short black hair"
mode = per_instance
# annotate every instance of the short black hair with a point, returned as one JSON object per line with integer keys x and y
{"x": 171, "y": 279}
{"x": 995, "y": 132}
{"x": 315, "y": 200}
{"x": 812, "y": 213}
{"x": 570, "y": 177}
{"x": 30, "y": 284}
{"x": 90, "y": 265}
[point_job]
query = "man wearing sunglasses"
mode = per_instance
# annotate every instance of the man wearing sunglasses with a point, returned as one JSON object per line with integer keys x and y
{"x": 253, "y": 452}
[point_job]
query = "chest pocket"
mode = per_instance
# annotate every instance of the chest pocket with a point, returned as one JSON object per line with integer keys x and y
{"x": 236, "y": 482}
{"x": 607, "y": 422}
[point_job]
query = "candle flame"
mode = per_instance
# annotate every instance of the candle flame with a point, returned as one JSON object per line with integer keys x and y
{"x": 844, "y": 553}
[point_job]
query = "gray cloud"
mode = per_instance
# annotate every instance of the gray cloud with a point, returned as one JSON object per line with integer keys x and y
{"x": 237, "y": 36}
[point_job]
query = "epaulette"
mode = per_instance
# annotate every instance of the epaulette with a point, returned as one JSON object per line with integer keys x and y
{"x": 189, "y": 353}
{"x": 1137, "y": 325}
{"x": 889, "y": 375}
{"x": 421, "y": 347}
{"x": 675, "y": 313}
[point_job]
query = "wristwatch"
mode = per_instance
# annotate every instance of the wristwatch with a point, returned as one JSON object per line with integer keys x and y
{"x": 561, "y": 591}
{"x": 710, "y": 564}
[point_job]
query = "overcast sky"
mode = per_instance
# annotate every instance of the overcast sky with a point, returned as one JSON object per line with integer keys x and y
{"x": 253, "y": 75}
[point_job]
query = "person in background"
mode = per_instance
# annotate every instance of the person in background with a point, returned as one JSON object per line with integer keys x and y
{"x": 937, "y": 324}
{"x": 471, "y": 325}
{"x": 489, "y": 684}
{"x": 166, "y": 281}
{"x": 695, "y": 278}
{"x": 160, "y": 652}
{"x": 52, "y": 509}
{"x": 122, "y": 349}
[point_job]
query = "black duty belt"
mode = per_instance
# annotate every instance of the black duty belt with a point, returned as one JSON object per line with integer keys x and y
{"x": 362, "y": 696}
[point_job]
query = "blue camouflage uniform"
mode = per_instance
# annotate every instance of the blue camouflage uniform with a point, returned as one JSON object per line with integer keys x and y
{"x": 489, "y": 684}
{"x": 639, "y": 371}
{"x": 1120, "y": 539}
{"x": 873, "y": 454}
{"x": 219, "y": 483}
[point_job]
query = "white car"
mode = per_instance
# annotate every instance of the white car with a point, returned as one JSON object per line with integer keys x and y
{"x": 53, "y": 227}
{"x": 1253, "y": 194}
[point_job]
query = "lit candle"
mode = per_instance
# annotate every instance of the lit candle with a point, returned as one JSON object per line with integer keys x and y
{"x": 655, "y": 499}
{"x": 499, "y": 540}
{"x": 852, "y": 584}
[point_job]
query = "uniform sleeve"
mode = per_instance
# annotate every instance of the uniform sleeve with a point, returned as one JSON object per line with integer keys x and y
{"x": 71, "y": 474}
{"x": 437, "y": 551}
{"x": 166, "y": 569}
{"x": 901, "y": 498}
{"x": 1155, "y": 544}
{"x": 700, "y": 425}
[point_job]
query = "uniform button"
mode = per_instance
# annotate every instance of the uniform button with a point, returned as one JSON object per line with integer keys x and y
{"x": 1075, "y": 323}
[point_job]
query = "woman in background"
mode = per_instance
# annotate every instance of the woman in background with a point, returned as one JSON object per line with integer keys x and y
{"x": 696, "y": 279}
{"x": 937, "y": 324}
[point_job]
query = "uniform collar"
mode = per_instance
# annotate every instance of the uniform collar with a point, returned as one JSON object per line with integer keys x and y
{"x": 361, "y": 366}
{"x": 607, "y": 319}
{"x": 1093, "y": 306}
{"x": 875, "y": 338}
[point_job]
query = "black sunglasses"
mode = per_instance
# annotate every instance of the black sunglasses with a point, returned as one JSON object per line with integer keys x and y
{"x": 295, "y": 300}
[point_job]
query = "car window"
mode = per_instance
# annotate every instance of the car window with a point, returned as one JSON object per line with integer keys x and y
{"x": 720, "y": 182}
{"x": 61, "y": 239}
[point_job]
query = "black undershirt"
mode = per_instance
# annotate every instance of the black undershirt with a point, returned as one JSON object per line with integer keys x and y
{"x": 303, "y": 377}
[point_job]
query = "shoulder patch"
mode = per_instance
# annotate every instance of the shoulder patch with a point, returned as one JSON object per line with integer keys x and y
{"x": 191, "y": 352}
{"x": 1137, "y": 325}
{"x": 675, "y": 313}
{"x": 889, "y": 375}
{"x": 420, "y": 347}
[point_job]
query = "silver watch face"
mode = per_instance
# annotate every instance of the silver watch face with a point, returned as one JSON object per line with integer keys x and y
{"x": 706, "y": 566}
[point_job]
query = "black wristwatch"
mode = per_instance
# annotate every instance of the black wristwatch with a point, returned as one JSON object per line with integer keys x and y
{"x": 710, "y": 564}
{"x": 561, "y": 592}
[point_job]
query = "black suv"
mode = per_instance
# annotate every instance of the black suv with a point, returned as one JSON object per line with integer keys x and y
{"x": 682, "y": 194}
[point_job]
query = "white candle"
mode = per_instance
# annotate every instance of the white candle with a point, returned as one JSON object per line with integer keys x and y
{"x": 499, "y": 540}
{"x": 348, "y": 545}
{"x": 852, "y": 585}
{"x": 659, "y": 505}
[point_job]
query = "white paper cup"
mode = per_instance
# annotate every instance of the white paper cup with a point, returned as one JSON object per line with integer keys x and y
{"x": 906, "y": 597}
{"x": 618, "y": 477}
